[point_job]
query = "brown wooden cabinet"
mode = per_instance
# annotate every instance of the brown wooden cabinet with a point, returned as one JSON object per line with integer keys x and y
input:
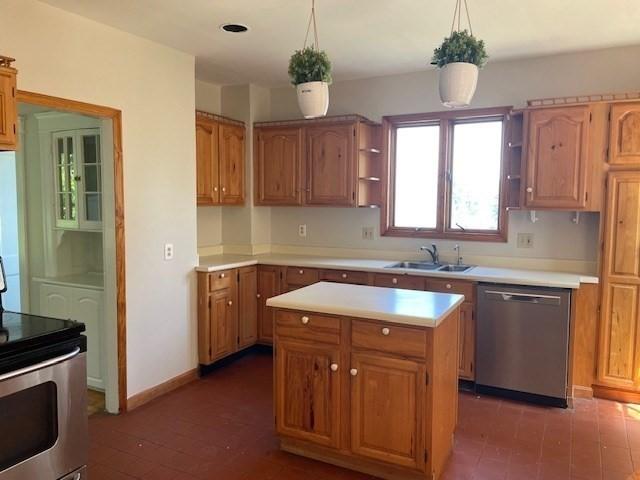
{"x": 268, "y": 286}
{"x": 619, "y": 350}
{"x": 308, "y": 403}
{"x": 220, "y": 157}
{"x": 624, "y": 142}
{"x": 247, "y": 306}
{"x": 390, "y": 430}
{"x": 278, "y": 163}
{"x": 227, "y": 311}
{"x": 8, "y": 105}
{"x": 331, "y": 165}
{"x": 330, "y": 162}
{"x": 557, "y": 157}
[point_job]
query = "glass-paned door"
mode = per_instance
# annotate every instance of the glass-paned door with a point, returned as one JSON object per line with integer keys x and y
{"x": 66, "y": 180}
{"x": 91, "y": 179}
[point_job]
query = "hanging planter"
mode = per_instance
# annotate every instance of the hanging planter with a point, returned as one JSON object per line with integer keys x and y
{"x": 459, "y": 58}
{"x": 310, "y": 72}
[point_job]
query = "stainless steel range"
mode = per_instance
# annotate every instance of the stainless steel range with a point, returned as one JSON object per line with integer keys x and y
{"x": 43, "y": 397}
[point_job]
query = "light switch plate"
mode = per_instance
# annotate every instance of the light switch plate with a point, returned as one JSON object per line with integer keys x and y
{"x": 525, "y": 240}
{"x": 367, "y": 233}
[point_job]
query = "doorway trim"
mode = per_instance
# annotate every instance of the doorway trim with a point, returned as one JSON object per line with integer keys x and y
{"x": 118, "y": 180}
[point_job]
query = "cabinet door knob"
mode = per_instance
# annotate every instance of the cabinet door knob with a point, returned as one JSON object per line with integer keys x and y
{"x": 334, "y": 367}
{"x": 230, "y": 302}
{"x": 304, "y": 320}
{"x": 529, "y": 189}
{"x": 258, "y": 295}
{"x": 448, "y": 286}
{"x": 224, "y": 189}
{"x": 386, "y": 331}
{"x": 394, "y": 281}
{"x": 353, "y": 372}
{"x": 215, "y": 189}
{"x": 344, "y": 275}
{"x": 300, "y": 272}
{"x": 222, "y": 275}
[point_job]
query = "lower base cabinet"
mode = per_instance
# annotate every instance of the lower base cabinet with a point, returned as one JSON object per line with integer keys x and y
{"x": 368, "y": 395}
{"x": 227, "y": 313}
{"x": 269, "y": 285}
{"x": 82, "y": 305}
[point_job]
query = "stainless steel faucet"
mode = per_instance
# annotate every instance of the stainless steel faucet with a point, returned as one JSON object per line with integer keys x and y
{"x": 457, "y": 250}
{"x": 433, "y": 251}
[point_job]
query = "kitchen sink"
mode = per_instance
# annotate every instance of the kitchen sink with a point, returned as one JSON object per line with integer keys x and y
{"x": 454, "y": 268}
{"x": 416, "y": 265}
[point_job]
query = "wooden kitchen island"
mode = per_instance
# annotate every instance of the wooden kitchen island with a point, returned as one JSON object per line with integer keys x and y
{"x": 367, "y": 377}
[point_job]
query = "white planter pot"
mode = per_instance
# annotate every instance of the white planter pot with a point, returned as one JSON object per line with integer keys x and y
{"x": 458, "y": 82}
{"x": 313, "y": 99}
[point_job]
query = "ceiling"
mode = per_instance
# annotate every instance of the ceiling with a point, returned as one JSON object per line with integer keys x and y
{"x": 364, "y": 38}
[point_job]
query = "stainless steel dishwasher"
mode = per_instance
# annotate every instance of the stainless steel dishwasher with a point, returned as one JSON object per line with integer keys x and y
{"x": 522, "y": 342}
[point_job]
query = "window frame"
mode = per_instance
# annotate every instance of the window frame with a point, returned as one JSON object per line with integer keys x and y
{"x": 446, "y": 120}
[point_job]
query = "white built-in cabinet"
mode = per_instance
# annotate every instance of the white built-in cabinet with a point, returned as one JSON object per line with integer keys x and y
{"x": 83, "y": 305}
{"x": 77, "y": 169}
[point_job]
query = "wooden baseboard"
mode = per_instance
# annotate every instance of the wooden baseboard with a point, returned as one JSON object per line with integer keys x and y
{"x": 580, "y": 391}
{"x": 616, "y": 394}
{"x": 152, "y": 393}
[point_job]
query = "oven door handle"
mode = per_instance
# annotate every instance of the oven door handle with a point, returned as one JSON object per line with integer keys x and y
{"x": 41, "y": 365}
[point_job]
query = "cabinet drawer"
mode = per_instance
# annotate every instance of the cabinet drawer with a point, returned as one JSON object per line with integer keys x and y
{"x": 453, "y": 286}
{"x": 345, "y": 276}
{"x": 389, "y": 338}
{"x": 398, "y": 281}
{"x": 220, "y": 280}
{"x": 302, "y": 276}
{"x": 308, "y": 326}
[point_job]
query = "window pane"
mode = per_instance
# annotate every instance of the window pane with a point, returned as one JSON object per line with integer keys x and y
{"x": 475, "y": 190}
{"x": 416, "y": 187}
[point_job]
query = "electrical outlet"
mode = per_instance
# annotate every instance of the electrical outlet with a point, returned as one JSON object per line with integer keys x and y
{"x": 168, "y": 251}
{"x": 367, "y": 233}
{"x": 302, "y": 230}
{"x": 525, "y": 240}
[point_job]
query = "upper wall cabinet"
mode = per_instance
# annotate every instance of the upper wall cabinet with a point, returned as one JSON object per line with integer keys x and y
{"x": 8, "y": 105}
{"x": 318, "y": 162}
{"x": 220, "y": 155}
{"x": 278, "y": 166}
{"x": 624, "y": 144}
{"x": 557, "y": 157}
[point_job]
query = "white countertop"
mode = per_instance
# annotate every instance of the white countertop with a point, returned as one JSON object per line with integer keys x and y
{"x": 477, "y": 274}
{"x": 409, "y": 307}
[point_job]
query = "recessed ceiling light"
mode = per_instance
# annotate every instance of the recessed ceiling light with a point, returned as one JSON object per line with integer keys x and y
{"x": 234, "y": 28}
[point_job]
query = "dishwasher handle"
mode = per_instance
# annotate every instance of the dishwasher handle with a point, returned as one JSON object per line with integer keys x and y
{"x": 524, "y": 297}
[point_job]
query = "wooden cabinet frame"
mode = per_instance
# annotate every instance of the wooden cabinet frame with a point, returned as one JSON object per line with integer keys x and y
{"x": 8, "y": 105}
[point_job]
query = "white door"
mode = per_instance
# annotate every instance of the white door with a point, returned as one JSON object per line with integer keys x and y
{"x": 55, "y": 301}
{"x": 86, "y": 307}
{"x": 9, "y": 232}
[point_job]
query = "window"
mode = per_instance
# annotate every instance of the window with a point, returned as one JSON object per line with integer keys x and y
{"x": 446, "y": 175}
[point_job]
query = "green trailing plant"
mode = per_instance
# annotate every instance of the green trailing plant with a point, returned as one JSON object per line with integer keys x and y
{"x": 460, "y": 47}
{"x": 309, "y": 65}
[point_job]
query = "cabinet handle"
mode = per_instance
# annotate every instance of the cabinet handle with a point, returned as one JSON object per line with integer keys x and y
{"x": 301, "y": 272}
{"x": 304, "y": 320}
{"x": 258, "y": 295}
{"x": 353, "y": 372}
{"x": 334, "y": 367}
{"x": 448, "y": 286}
{"x": 394, "y": 281}
{"x": 344, "y": 275}
{"x": 529, "y": 189}
{"x": 230, "y": 302}
{"x": 386, "y": 331}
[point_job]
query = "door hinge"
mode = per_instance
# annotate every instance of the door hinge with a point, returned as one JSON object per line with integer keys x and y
{"x": 471, "y": 366}
{"x": 590, "y": 116}
{"x": 353, "y": 195}
{"x": 209, "y": 302}
{"x": 586, "y": 196}
{"x": 238, "y": 276}
{"x": 13, "y": 92}
{"x": 426, "y": 376}
{"x": 426, "y": 455}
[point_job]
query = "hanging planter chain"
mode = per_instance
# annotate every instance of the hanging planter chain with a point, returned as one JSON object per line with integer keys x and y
{"x": 312, "y": 21}
{"x": 457, "y": 14}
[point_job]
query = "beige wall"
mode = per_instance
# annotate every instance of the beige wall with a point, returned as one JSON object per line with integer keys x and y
{"x": 64, "y": 55}
{"x": 500, "y": 83}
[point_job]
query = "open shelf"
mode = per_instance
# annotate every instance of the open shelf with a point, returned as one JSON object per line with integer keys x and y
{"x": 370, "y": 179}
{"x": 370, "y": 150}
{"x": 513, "y": 177}
{"x": 370, "y": 168}
{"x": 515, "y": 144}
{"x": 515, "y": 159}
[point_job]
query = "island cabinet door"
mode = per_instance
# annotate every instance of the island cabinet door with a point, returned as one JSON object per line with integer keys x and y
{"x": 268, "y": 286}
{"x": 467, "y": 338}
{"x": 308, "y": 392}
{"x": 387, "y": 405}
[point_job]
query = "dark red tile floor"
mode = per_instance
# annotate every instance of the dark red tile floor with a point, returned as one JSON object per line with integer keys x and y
{"x": 221, "y": 428}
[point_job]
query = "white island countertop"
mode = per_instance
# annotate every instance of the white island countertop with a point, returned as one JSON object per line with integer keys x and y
{"x": 511, "y": 276}
{"x": 408, "y": 307}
